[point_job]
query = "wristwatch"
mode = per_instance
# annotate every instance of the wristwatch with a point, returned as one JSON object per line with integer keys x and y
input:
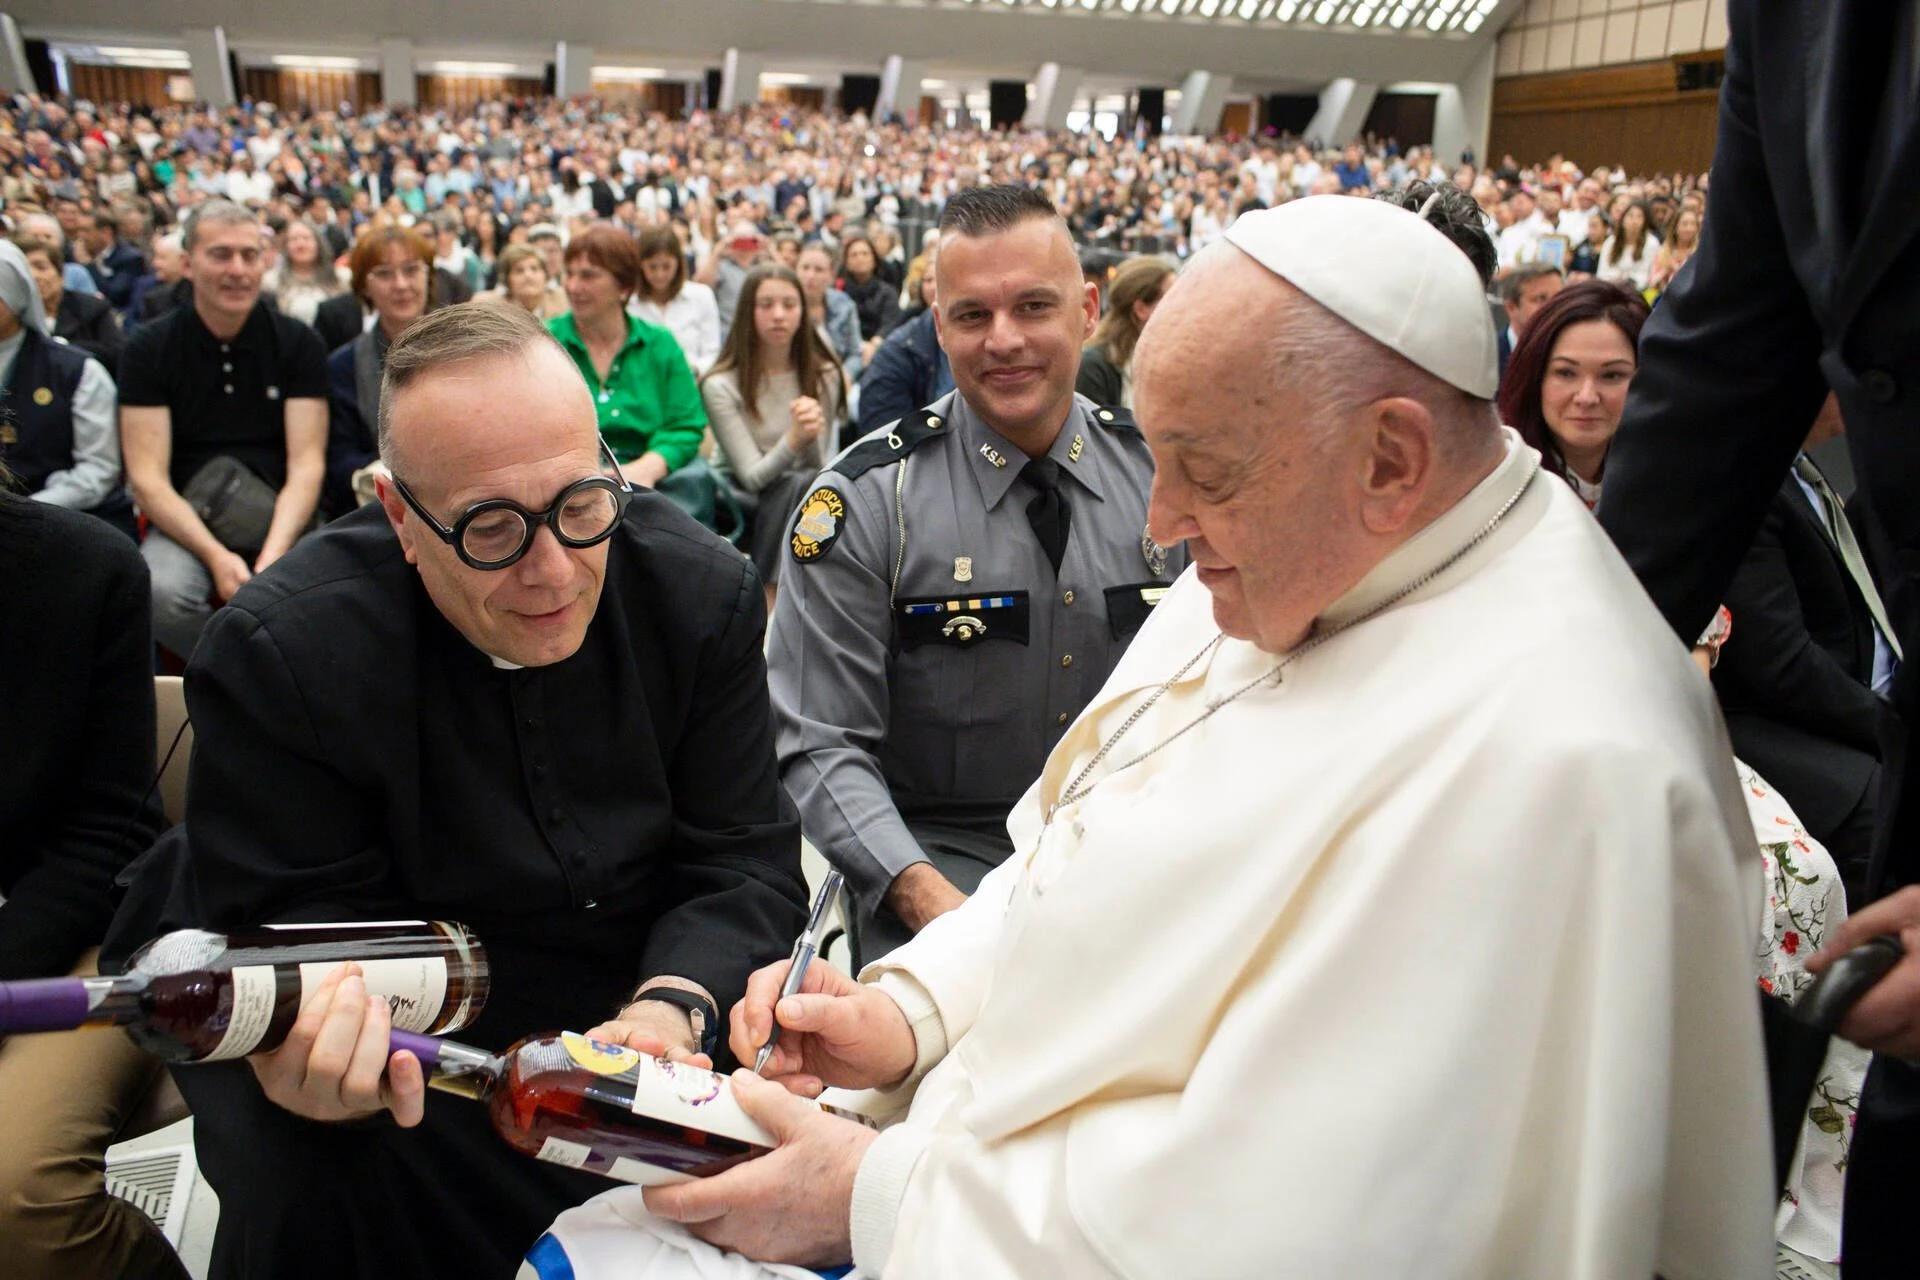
{"x": 700, "y": 1012}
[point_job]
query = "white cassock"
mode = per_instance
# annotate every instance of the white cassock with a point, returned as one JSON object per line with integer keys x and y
{"x": 1432, "y": 961}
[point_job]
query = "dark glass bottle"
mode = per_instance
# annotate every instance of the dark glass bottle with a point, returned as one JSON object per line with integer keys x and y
{"x": 194, "y": 996}
{"x": 609, "y": 1110}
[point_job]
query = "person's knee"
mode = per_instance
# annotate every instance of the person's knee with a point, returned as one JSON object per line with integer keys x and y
{"x": 49, "y": 1198}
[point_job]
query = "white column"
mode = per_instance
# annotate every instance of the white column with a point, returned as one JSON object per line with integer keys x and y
{"x": 1053, "y": 90}
{"x": 1464, "y": 114}
{"x": 398, "y": 88}
{"x": 1203, "y": 96}
{"x": 15, "y": 75}
{"x": 900, "y": 89}
{"x": 207, "y": 60}
{"x": 740, "y": 79}
{"x": 572, "y": 69}
{"x": 1344, "y": 105}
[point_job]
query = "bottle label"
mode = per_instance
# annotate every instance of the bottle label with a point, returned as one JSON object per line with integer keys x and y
{"x": 337, "y": 928}
{"x": 642, "y": 1174}
{"x": 254, "y": 990}
{"x": 671, "y": 1092}
{"x": 559, "y": 1151}
{"x": 181, "y": 951}
{"x": 415, "y": 989}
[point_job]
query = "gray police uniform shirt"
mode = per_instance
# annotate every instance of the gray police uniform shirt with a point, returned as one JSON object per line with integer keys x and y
{"x": 928, "y": 681}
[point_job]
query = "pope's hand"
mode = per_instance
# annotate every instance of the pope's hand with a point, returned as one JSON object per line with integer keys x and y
{"x": 334, "y": 1063}
{"x": 834, "y": 1032}
{"x": 792, "y": 1205}
{"x": 1887, "y": 1018}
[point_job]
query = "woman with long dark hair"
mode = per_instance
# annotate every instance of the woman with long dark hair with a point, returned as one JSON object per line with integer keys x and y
{"x": 1627, "y": 256}
{"x": 772, "y": 398}
{"x": 666, "y": 297}
{"x": 1106, "y": 368}
{"x": 1566, "y": 383}
{"x": 860, "y": 279}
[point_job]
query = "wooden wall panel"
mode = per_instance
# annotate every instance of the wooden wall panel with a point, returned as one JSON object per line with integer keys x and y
{"x": 1237, "y": 118}
{"x": 137, "y": 85}
{"x": 463, "y": 93}
{"x": 1632, "y": 116}
{"x": 1407, "y": 118}
{"x": 295, "y": 90}
{"x": 803, "y": 97}
{"x": 669, "y": 98}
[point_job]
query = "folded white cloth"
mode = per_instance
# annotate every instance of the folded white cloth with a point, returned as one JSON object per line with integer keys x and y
{"x": 613, "y": 1237}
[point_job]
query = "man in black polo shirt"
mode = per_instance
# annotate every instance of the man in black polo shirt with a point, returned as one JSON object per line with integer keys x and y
{"x": 227, "y": 377}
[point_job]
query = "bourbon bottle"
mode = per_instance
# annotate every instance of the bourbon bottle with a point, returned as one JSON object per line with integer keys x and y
{"x": 195, "y": 996}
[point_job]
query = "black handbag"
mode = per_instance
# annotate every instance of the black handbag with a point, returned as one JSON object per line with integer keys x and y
{"x": 235, "y": 504}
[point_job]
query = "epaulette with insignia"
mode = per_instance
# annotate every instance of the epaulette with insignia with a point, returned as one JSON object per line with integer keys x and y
{"x": 890, "y": 444}
{"x": 1119, "y": 419}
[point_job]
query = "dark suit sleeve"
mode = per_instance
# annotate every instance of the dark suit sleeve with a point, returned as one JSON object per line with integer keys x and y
{"x": 61, "y": 904}
{"x": 274, "y": 827}
{"x": 1729, "y": 381}
{"x": 350, "y": 442}
{"x": 101, "y": 338}
{"x": 303, "y": 365}
{"x": 1772, "y": 660}
{"x": 890, "y": 388}
{"x": 1098, "y": 380}
{"x": 740, "y": 899}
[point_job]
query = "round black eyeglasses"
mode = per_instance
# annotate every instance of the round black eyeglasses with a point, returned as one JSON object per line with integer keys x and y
{"x": 496, "y": 533}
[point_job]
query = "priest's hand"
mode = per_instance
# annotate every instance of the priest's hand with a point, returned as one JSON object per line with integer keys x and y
{"x": 655, "y": 1027}
{"x": 793, "y": 1205}
{"x": 334, "y": 1064}
{"x": 1887, "y": 1018}
{"x": 834, "y": 1032}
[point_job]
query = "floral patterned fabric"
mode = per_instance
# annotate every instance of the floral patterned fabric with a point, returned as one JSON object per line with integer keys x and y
{"x": 1805, "y": 902}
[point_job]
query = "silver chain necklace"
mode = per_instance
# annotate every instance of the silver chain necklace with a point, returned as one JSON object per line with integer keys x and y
{"x": 1077, "y": 789}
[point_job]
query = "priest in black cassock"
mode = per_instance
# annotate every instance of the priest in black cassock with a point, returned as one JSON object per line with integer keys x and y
{"x": 516, "y": 694}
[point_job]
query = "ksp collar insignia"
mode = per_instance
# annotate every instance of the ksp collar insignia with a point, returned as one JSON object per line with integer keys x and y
{"x": 993, "y": 455}
{"x": 1156, "y": 555}
{"x": 818, "y": 525}
{"x": 42, "y": 396}
{"x": 1079, "y": 446}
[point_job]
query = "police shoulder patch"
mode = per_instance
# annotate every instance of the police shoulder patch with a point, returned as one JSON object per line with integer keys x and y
{"x": 817, "y": 526}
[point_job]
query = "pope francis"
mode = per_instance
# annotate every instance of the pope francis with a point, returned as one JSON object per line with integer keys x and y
{"x": 1388, "y": 914}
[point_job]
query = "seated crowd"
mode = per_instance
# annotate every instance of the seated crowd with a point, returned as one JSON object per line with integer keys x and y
{"x": 291, "y": 397}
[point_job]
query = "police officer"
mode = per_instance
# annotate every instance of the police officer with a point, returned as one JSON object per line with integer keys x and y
{"x": 963, "y": 581}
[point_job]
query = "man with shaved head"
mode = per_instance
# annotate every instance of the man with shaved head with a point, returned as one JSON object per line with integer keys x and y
{"x": 962, "y": 580}
{"x": 516, "y": 693}
{"x": 1389, "y": 911}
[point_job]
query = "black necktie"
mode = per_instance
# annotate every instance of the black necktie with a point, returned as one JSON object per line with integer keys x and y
{"x": 1048, "y": 513}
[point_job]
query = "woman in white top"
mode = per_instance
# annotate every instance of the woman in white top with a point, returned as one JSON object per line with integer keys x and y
{"x": 1627, "y": 256}
{"x": 771, "y": 400}
{"x": 667, "y": 298}
{"x": 303, "y": 278}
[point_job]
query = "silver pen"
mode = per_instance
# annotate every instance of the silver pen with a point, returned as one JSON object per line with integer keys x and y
{"x": 805, "y": 947}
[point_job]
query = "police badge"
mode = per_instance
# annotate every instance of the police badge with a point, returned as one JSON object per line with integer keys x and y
{"x": 1155, "y": 554}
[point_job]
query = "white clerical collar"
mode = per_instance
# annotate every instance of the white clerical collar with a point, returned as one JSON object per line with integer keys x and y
{"x": 502, "y": 663}
{"x": 1428, "y": 549}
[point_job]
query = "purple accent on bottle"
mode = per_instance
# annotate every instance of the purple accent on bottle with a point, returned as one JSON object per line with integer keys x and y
{"x": 42, "y": 1004}
{"x": 425, "y": 1048}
